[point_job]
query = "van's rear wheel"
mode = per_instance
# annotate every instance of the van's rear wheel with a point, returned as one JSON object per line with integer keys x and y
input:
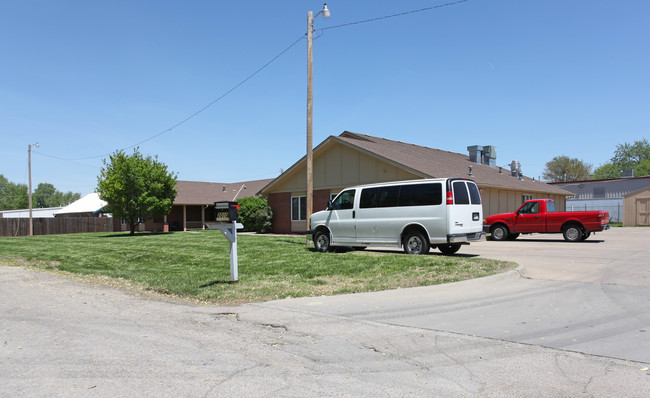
{"x": 448, "y": 249}
{"x": 322, "y": 241}
{"x": 415, "y": 243}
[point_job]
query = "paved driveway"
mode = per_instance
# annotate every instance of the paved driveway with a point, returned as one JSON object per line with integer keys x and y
{"x": 62, "y": 337}
{"x": 590, "y": 297}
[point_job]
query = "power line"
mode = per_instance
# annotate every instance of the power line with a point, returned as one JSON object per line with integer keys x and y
{"x": 258, "y": 71}
{"x": 394, "y": 15}
{"x": 195, "y": 113}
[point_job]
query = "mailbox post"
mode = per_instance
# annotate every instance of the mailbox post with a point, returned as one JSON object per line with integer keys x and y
{"x": 227, "y": 215}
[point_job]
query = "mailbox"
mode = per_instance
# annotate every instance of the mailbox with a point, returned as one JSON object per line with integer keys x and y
{"x": 227, "y": 211}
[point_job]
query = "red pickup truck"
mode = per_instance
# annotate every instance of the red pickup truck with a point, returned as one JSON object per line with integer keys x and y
{"x": 539, "y": 215}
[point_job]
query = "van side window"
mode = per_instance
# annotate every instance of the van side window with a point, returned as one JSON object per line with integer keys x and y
{"x": 344, "y": 201}
{"x": 474, "y": 193}
{"x": 420, "y": 195}
{"x": 388, "y": 196}
{"x": 460, "y": 193}
{"x": 368, "y": 198}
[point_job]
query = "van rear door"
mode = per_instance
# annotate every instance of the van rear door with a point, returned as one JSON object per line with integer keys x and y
{"x": 464, "y": 208}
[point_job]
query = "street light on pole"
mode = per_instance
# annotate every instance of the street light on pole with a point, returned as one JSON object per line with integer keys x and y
{"x": 310, "y": 99}
{"x": 29, "y": 167}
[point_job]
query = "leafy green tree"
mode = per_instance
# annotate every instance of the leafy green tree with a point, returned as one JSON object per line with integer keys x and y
{"x": 642, "y": 168}
{"x": 136, "y": 188}
{"x": 12, "y": 196}
{"x": 255, "y": 214}
{"x": 564, "y": 168}
{"x": 606, "y": 171}
{"x": 45, "y": 195}
{"x": 628, "y": 156}
{"x": 42, "y": 196}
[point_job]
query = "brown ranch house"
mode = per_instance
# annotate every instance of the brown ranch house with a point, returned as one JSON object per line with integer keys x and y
{"x": 353, "y": 159}
{"x": 194, "y": 204}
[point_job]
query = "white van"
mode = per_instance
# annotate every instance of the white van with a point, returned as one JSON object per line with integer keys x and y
{"x": 418, "y": 214}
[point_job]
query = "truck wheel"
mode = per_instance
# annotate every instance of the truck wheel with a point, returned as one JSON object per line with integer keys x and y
{"x": 322, "y": 241}
{"x": 448, "y": 249}
{"x": 513, "y": 236}
{"x": 572, "y": 233}
{"x": 415, "y": 243}
{"x": 585, "y": 235}
{"x": 499, "y": 232}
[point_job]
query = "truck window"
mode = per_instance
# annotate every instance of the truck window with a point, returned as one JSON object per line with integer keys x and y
{"x": 344, "y": 201}
{"x": 460, "y": 193}
{"x": 474, "y": 194}
{"x": 550, "y": 207}
{"x": 420, "y": 195}
{"x": 529, "y": 208}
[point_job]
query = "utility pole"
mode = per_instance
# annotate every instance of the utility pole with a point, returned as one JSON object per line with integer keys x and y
{"x": 29, "y": 167}
{"x": 310, "y": 99}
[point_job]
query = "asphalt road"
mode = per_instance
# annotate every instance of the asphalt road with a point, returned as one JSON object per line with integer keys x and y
{"x": 591, "y": 297}
{"x": 489, "y": 337}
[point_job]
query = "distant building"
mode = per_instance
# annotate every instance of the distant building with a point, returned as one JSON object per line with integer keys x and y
{"x": 602, "y": 194}
{"x": 88, "y": 206}
{"x": 194, "y": 203}
{"x": 47, "y": 212}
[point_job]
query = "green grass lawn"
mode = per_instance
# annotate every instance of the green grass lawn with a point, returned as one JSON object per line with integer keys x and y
{"x": 197, "y": 265}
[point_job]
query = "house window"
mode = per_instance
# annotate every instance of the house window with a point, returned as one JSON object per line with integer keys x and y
{"x": 299, "y": 208}
{"x": 526, "y": 197}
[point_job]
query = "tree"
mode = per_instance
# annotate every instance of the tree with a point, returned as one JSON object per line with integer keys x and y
{"x": 136, "y": 188}
{"x": 45, "y": 195}
{"x": 606, "y": 171}
{"x": 564, "y": 168}
{"x": 255, "y": 214}
{"x": 628, "y": 156}
{"x": 12, "y": 196}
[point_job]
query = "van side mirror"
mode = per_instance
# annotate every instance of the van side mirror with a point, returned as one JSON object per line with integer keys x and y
{"x": 329, "y": 204}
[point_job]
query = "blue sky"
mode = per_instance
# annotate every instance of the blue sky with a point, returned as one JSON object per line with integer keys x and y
{"x": 536, "y": 79}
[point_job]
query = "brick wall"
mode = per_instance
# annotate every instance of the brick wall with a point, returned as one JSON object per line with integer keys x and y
{"x": 321, "y": 197}
{"x": 281, "y": 205}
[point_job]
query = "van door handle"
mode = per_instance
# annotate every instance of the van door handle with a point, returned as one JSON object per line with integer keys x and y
{"x": 354, "y": 213}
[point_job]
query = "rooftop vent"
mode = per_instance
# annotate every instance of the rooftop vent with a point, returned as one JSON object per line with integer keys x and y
{"x": 515, "y": 169}
{"x": 627, "y": 173}
{"x": 483, "y": 154}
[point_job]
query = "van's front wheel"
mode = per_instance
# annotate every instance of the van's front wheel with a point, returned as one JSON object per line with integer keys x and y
{"x": 415, "y": 243}
{"x": 322, "y": 241}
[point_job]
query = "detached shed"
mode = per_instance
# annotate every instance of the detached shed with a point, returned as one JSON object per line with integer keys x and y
{"x": 636, "y": 208}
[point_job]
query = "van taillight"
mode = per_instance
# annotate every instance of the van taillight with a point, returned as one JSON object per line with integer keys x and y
{"x": 450, "y": 198}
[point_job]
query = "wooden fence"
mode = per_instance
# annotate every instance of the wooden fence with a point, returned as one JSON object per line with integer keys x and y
{"x": 57, "y": 225}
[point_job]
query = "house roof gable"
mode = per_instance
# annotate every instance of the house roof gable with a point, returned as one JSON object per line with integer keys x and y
{"x": 430, "y": 163}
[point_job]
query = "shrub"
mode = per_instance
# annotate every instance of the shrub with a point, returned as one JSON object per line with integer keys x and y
{"x": 255, "y": 214}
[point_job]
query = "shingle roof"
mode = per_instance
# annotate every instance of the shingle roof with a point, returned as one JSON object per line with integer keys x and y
{"x": 432, "y": 163}
{"x": 204, "y": 193}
